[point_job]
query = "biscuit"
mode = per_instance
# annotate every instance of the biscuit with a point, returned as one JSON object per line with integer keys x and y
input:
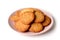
{"x": 36, "y": 27}
{"x": 19, "y": 26}
{"x": 39, "y": 16}
{"x": 27, "y": 10}
{"x": 47, "y": 21}
{"x": 14, "y": 17}
{"x": 27, "y": 17}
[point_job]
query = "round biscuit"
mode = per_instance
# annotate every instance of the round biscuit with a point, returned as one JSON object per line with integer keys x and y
{"x": 39, "y": 16}
{"x": 19, "y": 26}
{"x": 27, "y": 17}
{"x": 36, "y": 27}
{"x": 47, "y": 21}
{"x": 14, "y": 17}
{"x": 27, "y": 10}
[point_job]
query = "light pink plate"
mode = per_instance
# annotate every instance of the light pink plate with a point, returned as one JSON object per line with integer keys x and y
{"x": 31, "y": 33}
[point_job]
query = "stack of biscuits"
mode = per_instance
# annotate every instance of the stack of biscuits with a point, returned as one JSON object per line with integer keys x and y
{"x": 30, "y": 20}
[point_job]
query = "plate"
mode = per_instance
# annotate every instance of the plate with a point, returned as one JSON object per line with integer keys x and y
{"x": 31, "y": 33}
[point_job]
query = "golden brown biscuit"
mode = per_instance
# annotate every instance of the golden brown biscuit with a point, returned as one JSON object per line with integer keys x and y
{"x": 19, "y": 26}
{"x": 36, "y": 27}
{"x": 47, "y": 21}
{"x": 14, "y": 17}
{"x": 27, "y": 10}
{"x": 27, "y": 17}
{"x": 39, "y": 16}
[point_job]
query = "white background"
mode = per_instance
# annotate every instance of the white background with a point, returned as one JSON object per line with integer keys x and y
{"x": 9, "y": 6}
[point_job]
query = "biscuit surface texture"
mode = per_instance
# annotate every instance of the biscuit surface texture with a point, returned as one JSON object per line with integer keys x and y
{"x": 19, "y": 26}
{"x": 27, "y": 17}
{"x": 14, "y": 17}
{"x": 39, "y": 17}
{"x": 27, "y": 10}
{"x": 36, "y": 27}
